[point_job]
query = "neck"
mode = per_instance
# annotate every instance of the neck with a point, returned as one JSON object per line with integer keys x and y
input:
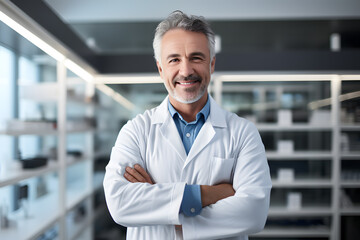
{"x": 189, "y": 110}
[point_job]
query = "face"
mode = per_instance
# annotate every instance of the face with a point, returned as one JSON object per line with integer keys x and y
{"x": 185, "y": 66}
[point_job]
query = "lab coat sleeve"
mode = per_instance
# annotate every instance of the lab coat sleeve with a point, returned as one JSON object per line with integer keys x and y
{"x": 246, "y": 212}
{"x": 138, "y": 204}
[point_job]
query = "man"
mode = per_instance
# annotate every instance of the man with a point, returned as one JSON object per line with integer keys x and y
{"x": 187, "y": 169}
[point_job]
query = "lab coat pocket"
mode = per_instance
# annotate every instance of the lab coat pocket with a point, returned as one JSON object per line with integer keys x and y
{"x": 221, "y": 170}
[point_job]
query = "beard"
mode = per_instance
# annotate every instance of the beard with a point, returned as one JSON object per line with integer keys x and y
{"x": 192, "y": 94}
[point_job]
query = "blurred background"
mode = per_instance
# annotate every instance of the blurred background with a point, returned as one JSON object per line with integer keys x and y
{"x": 73, "y": 72}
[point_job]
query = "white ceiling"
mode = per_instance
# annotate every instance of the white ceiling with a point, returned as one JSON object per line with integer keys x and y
{"x": 80, "y": 11}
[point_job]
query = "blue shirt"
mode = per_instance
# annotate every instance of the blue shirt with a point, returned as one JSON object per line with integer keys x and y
{"x": 191, "y": 203}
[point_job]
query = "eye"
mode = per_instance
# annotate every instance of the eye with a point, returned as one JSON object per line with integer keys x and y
{"x": 173, "y": 60}
{"x": 197, "y": 59}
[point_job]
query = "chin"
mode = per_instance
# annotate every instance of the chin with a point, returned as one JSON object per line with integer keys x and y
{"x": 188, "y": 100}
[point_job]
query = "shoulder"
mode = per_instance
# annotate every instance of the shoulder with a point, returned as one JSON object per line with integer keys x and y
{"x": 232, "y": 121}
{"x": 142, "y": 121}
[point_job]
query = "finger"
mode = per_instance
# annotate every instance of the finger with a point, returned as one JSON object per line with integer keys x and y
{"x": 130, "y": 178}
{"x": 135, "y": 174}
{"x": 143, "y": 173}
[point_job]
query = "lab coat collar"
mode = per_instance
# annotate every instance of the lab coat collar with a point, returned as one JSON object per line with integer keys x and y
{"x": 216, "y": 117}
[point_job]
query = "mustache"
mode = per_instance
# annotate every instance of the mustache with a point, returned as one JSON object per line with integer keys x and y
{"x": 191, "y": 77}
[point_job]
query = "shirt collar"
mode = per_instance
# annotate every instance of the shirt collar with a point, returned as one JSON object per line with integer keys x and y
{"x": 205, "y": 111}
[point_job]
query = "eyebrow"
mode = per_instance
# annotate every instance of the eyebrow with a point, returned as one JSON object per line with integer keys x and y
{"x": 175, "y": 55}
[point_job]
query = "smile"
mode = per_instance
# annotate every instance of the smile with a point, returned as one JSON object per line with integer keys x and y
{"x": 187, "y": 83}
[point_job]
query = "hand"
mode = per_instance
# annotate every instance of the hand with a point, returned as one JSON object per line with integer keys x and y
{"x": 212, "y": 194}
{"x": 137, "y": 174}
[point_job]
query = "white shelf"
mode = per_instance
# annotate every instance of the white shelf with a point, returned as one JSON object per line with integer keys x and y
{"x": 40, "y": 92}
{"x": 13, "y": 176}
{"x": 80, "y": 129}
{"x": 296, "y": 155}
{"x": 350, "y": 184}
{"x": 75, "y": 160}
{"x": 75, "y": 195}
{"x": 354, "y": 211}
{"x": 29, "y": 132}
{"x": 308, "y": 183}
{"x": 294, "y": 232}
{"x": 39, "y": 132}
{"x": 40, "y": 220}
{"x": 350, "y": 155}
{"x": 350, "y": 127}
{"x": 294, "y": 127}
{"x": 78, "y": 228}
{"x": 305, "y": 211}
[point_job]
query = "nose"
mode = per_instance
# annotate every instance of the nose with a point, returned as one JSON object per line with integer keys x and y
{"x": 186, "y": 69}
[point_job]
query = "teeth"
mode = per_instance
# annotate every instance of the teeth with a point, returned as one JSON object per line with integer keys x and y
{"x": 186, "y": 83}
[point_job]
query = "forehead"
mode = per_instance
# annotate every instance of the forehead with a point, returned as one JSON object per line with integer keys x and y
{"x": 181, "y": 41}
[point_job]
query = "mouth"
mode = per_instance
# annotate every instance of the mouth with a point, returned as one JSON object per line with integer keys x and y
{"x": 187, "y": 83}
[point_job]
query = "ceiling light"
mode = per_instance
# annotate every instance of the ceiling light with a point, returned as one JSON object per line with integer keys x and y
{"x": 81, "y": 72}
{"x": 31, "y": 37}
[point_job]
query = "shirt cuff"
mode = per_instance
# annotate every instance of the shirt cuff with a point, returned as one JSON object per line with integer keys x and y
{"x": 191, "y": 203}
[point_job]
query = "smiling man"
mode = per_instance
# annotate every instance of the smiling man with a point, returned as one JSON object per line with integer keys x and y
{"x": 187, "y": 169}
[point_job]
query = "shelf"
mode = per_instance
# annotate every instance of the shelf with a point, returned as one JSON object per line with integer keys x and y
{"x": 41, "y": 92}
{"x": 75, "y": 195}
{"x": 350, "y": 127}
{"x": 294, "y": 232}
{"x": 294, "y": 127}
{"x": 354, "y": 211}
{"x": 306, "y": 211}
{"x": 350, "y": 184}
{"x": 29, "y": 132}
{"x": 13, "y": 176}
{"x": 80, "y": 227}
{"x": 350, "y": 155}
{"x": 75, "y": 160}
{"x": 311, "y": 155}
{"x": 79, "y": 128}
{"x": 36, "y": 224}
{"x": 42, "y": 132}
{"x": 308, "y": 183}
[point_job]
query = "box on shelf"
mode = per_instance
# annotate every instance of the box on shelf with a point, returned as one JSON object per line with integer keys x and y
{"x": 320, "y": 117}
{"x": 284, "y": 117}
{"x": 294, "y": 200}
{"x": 285, "y": 146}
{"x": 285, "y": 175}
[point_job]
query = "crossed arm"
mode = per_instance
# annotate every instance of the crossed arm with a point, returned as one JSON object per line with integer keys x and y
{"x": 209, "y": 194}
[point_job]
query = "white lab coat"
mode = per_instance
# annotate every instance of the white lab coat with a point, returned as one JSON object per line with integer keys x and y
{"x": 227, "y": 149}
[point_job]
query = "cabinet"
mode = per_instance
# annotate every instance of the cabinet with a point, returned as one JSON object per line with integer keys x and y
{"x": 65, "y": 196}
{"x": 310, "y": 128}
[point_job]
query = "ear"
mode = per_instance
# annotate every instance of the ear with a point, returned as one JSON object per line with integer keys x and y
{"x": 212, "y": 65}
{"x": 159, "y": 68}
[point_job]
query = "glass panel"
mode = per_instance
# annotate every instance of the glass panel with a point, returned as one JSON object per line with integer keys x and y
{"x": 350, "y": 227}
{"x": 317, "y": 197}
{"x": 302, "y": 169}
{"x": 350, "y": 102}
{"x": 7, "y": 109}
{"x": 262, "y": 101}
{"x": 297, "y": 141}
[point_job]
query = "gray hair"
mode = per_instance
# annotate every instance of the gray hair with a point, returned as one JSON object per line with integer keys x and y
{"x": 178, "y": 19}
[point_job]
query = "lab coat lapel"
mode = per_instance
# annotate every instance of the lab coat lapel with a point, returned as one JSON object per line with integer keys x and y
{"x": 216, "y": 119}
{"x": 168, "y": 128}
{"x": 204, "y": 137}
